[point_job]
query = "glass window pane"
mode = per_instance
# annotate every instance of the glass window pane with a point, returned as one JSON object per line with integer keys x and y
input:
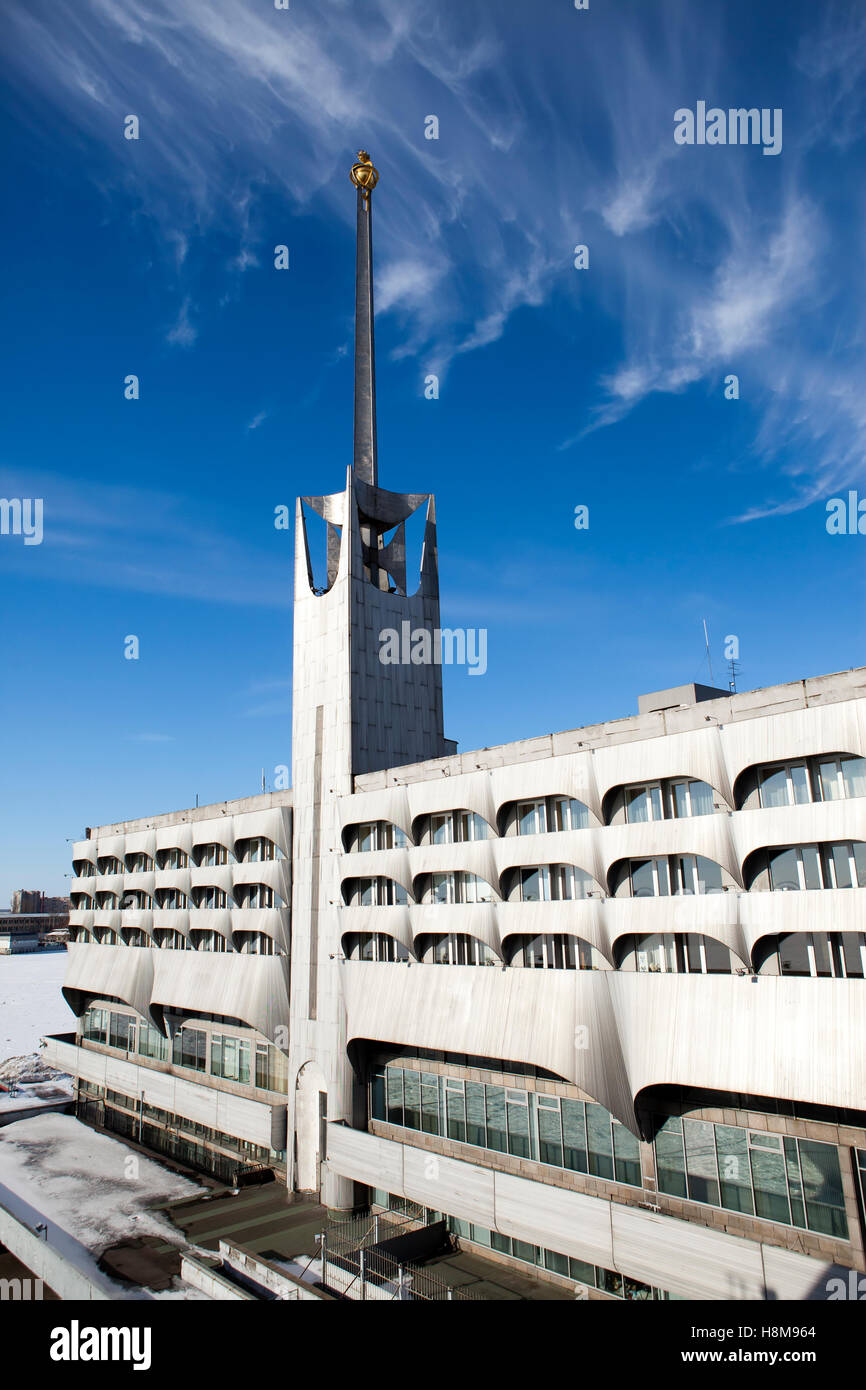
{"x": 774, "y": 787}
{"x": 574, "y": 1135}
{"x": 860, "y": 862}
{"x": 517, "y": 1112}
{"x": 701, "y": 1167}
{"x": 455, "y": 1111}
{"x": 811, "y": 866}
{"x": 793, "y": 954}
{"x": 522, "y": 1250}
{"x": 709, "y": 876}
{"x": 600, "y": 1144}
{"x": 800, "y": 784}
{"x": 655, "y": 795}
{"x": 718, "y": 957}
{"x": 841, "y": 865}
{"x": 557, "y": 1263}
{"x": 829, "y": 774}
{"x": 476, "y": 1129}
{"x": 377, "y": 1093}
{"x": 530, "y": 885}
{"x": 394, "y": 1091}
{"x": 670, "y": 1158}
{"x": 852, "y": 955}
{"x": 681, "y": 799}
{"x": 854, "y": 775}
{"x": 430, "y": 1104}
{"x": 581, "y": 1272}
{"x": 495, "y": 1106}
{"x": 784, "y": 873}
{"x": 770, "y": 1185}
{"x": 411, "y": 1099}
{"x": 636, "y": 805}
{"x": 795, "y": 1184}
{"x": 642, "y": 878}
{"x": 549, "y": 1135}
{"x": 822, "y": 1188}
{"x": 702, "y": 798}
{"x": 734, "y": 1170}
{"x": 821, "y": 949}
{"x": 626, "y": 1150}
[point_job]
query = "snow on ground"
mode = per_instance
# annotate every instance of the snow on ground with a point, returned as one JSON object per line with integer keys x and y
{"x": 30, "y": 1001}
{"x": 90, "y": 1184}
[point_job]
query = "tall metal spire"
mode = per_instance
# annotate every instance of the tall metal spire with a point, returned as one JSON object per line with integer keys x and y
{"x": 365, "y": 177}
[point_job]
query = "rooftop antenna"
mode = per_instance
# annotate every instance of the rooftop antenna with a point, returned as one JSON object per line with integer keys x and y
{"x": 733, "y": 668}
{"x": 196, "y": 798}
{"x": 709, "y": 659}
{"x": 263, "y": 779}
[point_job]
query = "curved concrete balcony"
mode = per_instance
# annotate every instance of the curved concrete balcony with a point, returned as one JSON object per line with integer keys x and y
{"x": 578, "y": 847}
{"x": 470, "y": 791}
{"x": 108, "y": 883}
{"x": 112, "y": 846}
{"x": 140, "y": 842}
{"x": 705, "y": 914}
{"x": 390, "y": 921}
{"x": 217, "y": 831}
{"x": 108, "y": 972}
{"x": 615, "y": 1034}
{"x": 251, "y": 988}
{"x": 381, "y": 863}
{"x": 469, "y": 856}
{"x": 799, "y": 825}
{"x": 175, "y": 837}
{"x": 709, "y": 836}
{"x": 212, "y": 876}
{"x": 696, "y": 753}
{"x": 584, "y": 918}
{"x": 272, "y": 922}
{"x": 139, "y": 919}
{"x": 798, "y": 733}
{"x": 274, "y": 824}
{"x": 211, "y": 919}
{"x": 142, "y": 882}
{"x": 274, "y": 873}
{"x": 178, "y": 879}
{"x": 818, "y": 910}
{"x": 572, "y": 776}
{"x": 391, "y": 804}
{"x": 84, "y": 851}
{"x": 473, "y": 919}
{"x": 171, "y": 919}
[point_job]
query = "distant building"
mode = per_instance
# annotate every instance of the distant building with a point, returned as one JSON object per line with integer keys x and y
{"x": 34, "y": 900}
{"x": 32, "y": 931}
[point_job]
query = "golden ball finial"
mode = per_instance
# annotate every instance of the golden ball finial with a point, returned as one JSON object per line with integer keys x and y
{"x": 364, "y": 175}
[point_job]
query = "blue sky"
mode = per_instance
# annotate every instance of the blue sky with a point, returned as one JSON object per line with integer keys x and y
{"x": 558, "y": 387}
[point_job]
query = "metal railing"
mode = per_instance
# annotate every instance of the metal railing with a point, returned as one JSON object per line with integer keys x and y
{"x": 353, "y": 1265}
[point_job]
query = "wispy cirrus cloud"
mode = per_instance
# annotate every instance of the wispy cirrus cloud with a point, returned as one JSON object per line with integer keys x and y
{"x": 550, "y": 133}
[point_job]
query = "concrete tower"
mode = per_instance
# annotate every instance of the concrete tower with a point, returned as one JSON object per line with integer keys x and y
{"x": 351, "y": 713}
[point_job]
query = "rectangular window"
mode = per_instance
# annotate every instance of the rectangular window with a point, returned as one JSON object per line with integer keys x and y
{"x": 734, "y": 1172}
{"x": 394, "y": 1094}
{"x": 430, "y": 1103}
{"x": 841, "y": 866}
{"x": 701, "y": 1166}
{"x": 517, "y": 1116}
{"x": 831, "y": 788}
{"x": 854, "y": 776}
{"x": 800, "y": 784}
{"x": 769, "y": 1179}
{"x": 531, "y": 818}
{"x": 476, "y": 1123}
{"x": 822, "y": 1188}
{"x": 411, "y": 1099}
{"x": 377, "y": 1094}
{"x": 455, "y": 1110}
{"x": 599, "y": 1141}
{"x": 774, "y": 787}
{"x": 574, "y": 1135}
{"x": 670, "y": 1158}
{"x": 497, "y": 1137}
{"x": 626, "y": 1155}
{"x": 784, "y": 871}
{"x": 549, "y": 1131}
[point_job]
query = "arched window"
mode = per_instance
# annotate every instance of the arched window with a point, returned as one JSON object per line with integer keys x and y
{"x": 374, "y": 892}
{"x": 375, "y": 835}
{"x": 138, "y": 863}
{"x": 375, "y": 946}
{"x": 456, "y": 827}
{"x": 457, "y": 948}
{"x": 545, "y": 883}
{"x": 824, "y": 955}
{"x": 674, "y": 953}
{"x": 167, "y": 939}
{"x": 256, "y": 895}
{"x": 557, "y": 951}
{"x": 667, "y": 875}
{"x": 258, "y": 849}
{"x": 108, "y": 864}
{"x": 173, "y": 858}
{"x": 204, "y": 895}
{"x": 253, "y": 943}
{"x": 548, "y": 814}
{"x": 791, "y": 868}
{"x": 458, "y": 887}
{"x": 211, "y": 855}
{"x": 202, "y": 940}
{"x": 171, "y": 898}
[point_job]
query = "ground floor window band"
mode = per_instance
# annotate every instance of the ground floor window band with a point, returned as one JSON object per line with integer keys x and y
{"x": 576, "y": 1135}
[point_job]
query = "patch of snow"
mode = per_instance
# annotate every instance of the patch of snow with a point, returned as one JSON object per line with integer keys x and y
{"x": 90, "y": 1184}
{"x": 31, "y": 1003}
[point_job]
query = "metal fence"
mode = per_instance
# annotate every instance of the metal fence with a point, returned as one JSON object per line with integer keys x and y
{"x": 354, "y": 1266}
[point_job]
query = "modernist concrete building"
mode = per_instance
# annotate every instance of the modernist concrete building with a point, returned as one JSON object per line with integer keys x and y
{"x": 597, "y": 997}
